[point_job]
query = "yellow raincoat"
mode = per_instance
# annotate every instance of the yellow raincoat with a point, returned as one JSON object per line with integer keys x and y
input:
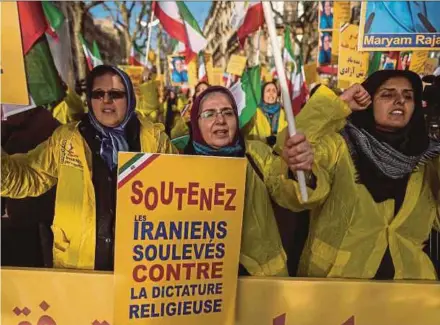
{"x": 65, "y": 160}
{"x": 349, "y": 231}
{"x": 262, "y": 252}
{"x": 148, "y": 104}
{"x": 259, "y": 127}
{"x": 70, "y": 109}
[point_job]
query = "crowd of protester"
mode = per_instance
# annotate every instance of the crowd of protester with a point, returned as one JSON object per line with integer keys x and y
{"x": 372, "y": 174}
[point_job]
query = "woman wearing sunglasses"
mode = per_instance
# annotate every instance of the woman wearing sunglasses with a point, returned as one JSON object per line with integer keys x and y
{"x": 215, "y": 132}
{"x": 81, "y": 159}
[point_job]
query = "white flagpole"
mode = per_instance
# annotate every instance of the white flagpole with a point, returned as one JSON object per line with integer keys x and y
{"x": 229, "y": 81}
{"x": 258, "y": 46}
{"x": 284, "y": 88}
{"x": 150, "y": 28}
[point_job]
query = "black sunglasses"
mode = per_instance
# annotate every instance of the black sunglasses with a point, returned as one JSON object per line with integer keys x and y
{"x": 112, "y": 94}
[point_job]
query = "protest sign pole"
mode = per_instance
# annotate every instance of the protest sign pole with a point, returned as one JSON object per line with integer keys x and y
{"x": 283, "y": 84}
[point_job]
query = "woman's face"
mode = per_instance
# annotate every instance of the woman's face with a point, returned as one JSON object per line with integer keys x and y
{"x": 109, "y": 100}
{"x": 393, "y": 104}
{"x": 327, "y": 8}
{"x": 217, "y": 121}
{"x": 172, "y": 94}
{"x": 326, "y": 42}
{"x": 270, "y": 94}
{"x": 200, "y": 88}
{"x": 179, "y": 65}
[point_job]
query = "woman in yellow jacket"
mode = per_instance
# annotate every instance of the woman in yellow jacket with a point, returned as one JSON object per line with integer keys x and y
{"x": 81, "y": 159}
{"x": 214, "y": 132}
{"x": 173, "y": 105}
{"x": 269, "y": 119}
{"x": 372, "y": 191}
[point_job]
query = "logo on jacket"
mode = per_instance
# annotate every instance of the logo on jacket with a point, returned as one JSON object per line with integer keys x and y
{"x": 68, "y": 155}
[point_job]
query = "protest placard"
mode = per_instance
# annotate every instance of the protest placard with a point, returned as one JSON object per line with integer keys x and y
{"x": 217, "y": 77}
{"x": 14, "y": 88}
{"x": 236, "y": 64}
{"x": 311, "y": 73}
{"x": 352, "y": 64}
{"x": 342, "y": 14}
{"x": 177, "y": 238}
{"x": 192, "y": 72}
{"x": 399, "y": 26}
{"x": 209, "y": 66}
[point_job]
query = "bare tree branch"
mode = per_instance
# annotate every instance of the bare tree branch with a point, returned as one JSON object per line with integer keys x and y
{"x": 133, "y": 3}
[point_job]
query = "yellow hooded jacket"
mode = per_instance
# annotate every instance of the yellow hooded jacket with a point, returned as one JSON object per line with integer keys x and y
{"x": 259, "y": 127}
{"x": 349, "y": 231}
{"x": 261, "y": 252}
{"x": 70, "y": 109}
{"x": 148, "y": 104}
{"x": 65, "y": 159}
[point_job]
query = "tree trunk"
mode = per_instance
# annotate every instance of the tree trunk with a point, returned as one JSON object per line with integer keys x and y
{"x": 79, "y": 58}
{"x": 128, "y": 44}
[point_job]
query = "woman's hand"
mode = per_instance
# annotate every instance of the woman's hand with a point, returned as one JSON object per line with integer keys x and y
{"x": 356, "y": 97}
{"x": 298, "y": 153}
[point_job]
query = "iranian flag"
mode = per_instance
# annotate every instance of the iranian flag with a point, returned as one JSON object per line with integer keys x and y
{"x": 247, "y": 94}
{"x": 247, "y": 18}
{"x": 44, "y": 83}
{"x": 93, "y": 56}
{"x": 136, "y": 58}
{"x": 134, "y": 166}
{"x": 58, "y": 37}
{"x": 297, "y": 81}
{"x": 180, "y": 24}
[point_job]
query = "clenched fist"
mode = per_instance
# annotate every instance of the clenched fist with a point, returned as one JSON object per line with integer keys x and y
{"x": 298, "y": 153}
{"x": 356, "y": 97}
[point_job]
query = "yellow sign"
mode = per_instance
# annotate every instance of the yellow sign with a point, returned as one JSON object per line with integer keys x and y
{"x": 349, "y": 38}
{"x": 311, "y": 73}
{"x": 352, "y": 64}
{"x": 418, "y": 60}
{"x": 177, "y": 239}
{"x": 209, "y": 67}
{"x": 192, "y": 72}
{"x": 218, "y": 77}
{"x": 236, "y": 64}
{"x": 135, "y": 73}
{"x": 62, "y": 297}
{"x": 399, "y": 26}
{"x": 13, "y": 76}
{"x": 341, "y": 15}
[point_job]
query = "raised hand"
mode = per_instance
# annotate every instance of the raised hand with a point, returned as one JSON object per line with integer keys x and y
{"x": 356, "y": 97}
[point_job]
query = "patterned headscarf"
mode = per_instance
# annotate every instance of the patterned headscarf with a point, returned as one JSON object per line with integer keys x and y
{"x": 392, "y": 155}
{"x": 113, "y": 139}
